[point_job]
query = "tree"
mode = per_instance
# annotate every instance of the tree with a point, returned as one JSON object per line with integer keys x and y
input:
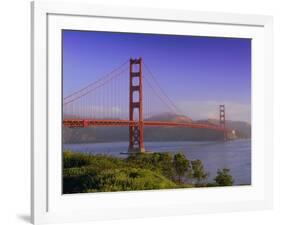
{"x": 223, "y": 178}
{"x": 198, "y": 171}
{"x": 166, "y": 165}
{"x": 181, "y": 165}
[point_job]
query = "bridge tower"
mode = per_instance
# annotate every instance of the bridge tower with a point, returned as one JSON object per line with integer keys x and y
{"x": 136, "y": 142}
{"x": 222, "y": 120}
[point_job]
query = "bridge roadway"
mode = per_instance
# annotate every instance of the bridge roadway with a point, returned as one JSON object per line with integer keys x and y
{"x": 83, "y": 123}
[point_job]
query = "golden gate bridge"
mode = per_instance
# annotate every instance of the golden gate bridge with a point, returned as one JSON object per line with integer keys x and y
{"x": 101, "y": 103}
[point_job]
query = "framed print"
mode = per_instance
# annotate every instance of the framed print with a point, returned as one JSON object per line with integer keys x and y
{"x": 146, "y": 112}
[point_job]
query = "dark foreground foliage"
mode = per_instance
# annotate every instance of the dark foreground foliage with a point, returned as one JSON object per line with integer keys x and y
{"x": 224, "y": 178}
{"x": 84, "y": 173}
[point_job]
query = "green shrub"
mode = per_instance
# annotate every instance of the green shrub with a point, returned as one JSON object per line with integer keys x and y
{"x": 132, "y": 179}
{"x": 181, "y": 166}
{"x": 160, "y": 162}
{"x": 198, "y": 171}
{"x": 100, "y": 173}
{"x": 78, "y": 180}
{"x": 223, "y": 178}
{"x": 71, "y": 159}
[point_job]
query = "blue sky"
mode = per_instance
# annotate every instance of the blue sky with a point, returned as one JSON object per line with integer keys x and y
{"x": 198, "y": 73}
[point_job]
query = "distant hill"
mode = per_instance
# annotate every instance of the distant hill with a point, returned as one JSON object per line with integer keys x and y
{"x": 170, "y": 117}
{"x": 114, "y": 134}
{"x": 242, "y": 129}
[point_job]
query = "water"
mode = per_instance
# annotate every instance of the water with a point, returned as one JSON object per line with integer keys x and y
{"x": 234, "y": 155}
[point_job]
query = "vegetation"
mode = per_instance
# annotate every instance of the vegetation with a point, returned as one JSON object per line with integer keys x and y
{"x": 84, "y": 173}
{"x": 198, "y": 172}
{"x": 181, "y": 166}
{"x": 223, "y": 178}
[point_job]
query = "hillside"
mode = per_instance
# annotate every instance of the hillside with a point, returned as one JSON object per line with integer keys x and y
{"x": 170, "y": 117}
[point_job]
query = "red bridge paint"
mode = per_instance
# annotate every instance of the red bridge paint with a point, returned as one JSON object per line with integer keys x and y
{"x": 136, "y": 125}
{"x": 136, "y": 141}
{"x": 75, "y": 123}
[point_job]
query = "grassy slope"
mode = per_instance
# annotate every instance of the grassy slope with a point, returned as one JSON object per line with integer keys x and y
{"x": 87, "y": 173}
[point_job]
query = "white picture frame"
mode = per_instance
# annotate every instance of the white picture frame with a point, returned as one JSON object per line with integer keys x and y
{"x": 48, "y": 205}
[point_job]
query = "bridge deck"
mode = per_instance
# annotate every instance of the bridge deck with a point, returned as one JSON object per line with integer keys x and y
{"x": 74, "y": 123}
